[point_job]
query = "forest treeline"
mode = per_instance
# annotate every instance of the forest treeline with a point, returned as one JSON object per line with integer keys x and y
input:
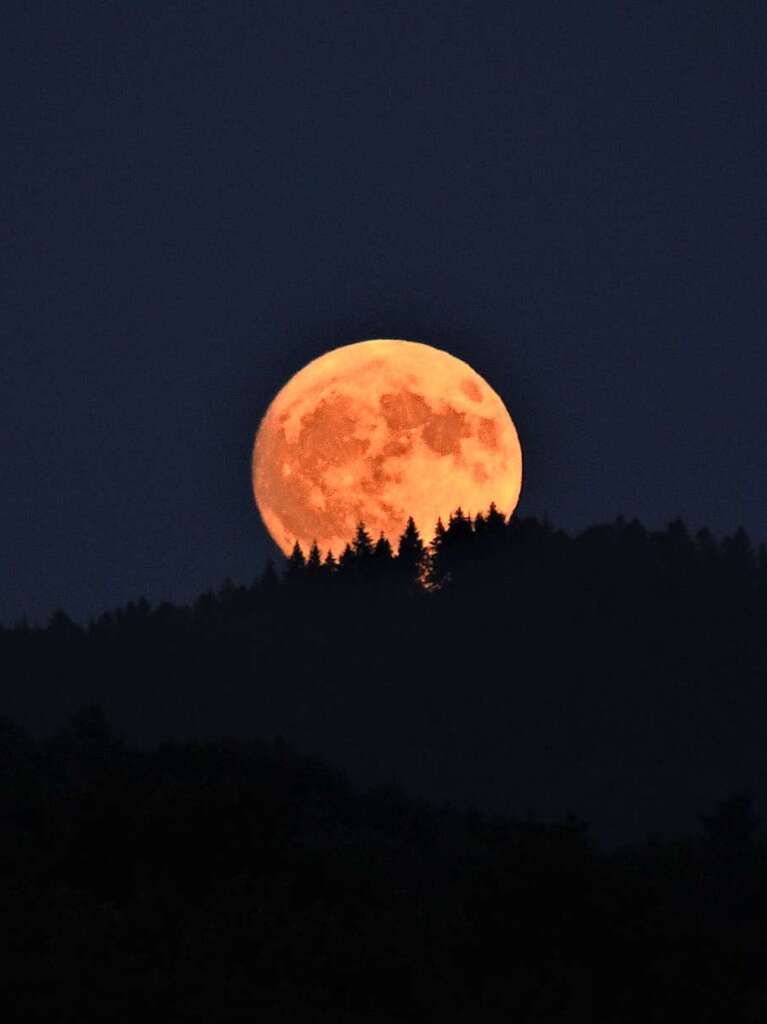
{"x": 618, "y": 673}
{"x": 494, "y": 550}
{"x": 579, "y": 722}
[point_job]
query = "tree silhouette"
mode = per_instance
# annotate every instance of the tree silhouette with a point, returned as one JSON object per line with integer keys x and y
{"x": 382, "y": 559}
{"x": 438, "y": 558}
{"x": 314, "y": 562}
{"x": 329, "y": 565}
{"x": 452, "y": 550}
{"x": 362, "y": 545}
{"x": 346, "y": 563}
{"x": 296, "y": 566}
{"x": 190, "y": 880}
{"x": 411, "y": 556}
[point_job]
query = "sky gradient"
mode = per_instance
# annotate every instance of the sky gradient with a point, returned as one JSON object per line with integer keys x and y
{"x": 197, "y": 199}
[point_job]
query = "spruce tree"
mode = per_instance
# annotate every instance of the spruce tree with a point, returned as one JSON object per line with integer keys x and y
{"x": 296, "y": 565}
{"x": 411, "y": 554}
{"x": 362, "y": 545}
{"x": 314, "y": 561}
{"x": 382, "y": 551}
{"x": 346, "y": 562}
{"x": 495, "y": 521}
{"x": 438, "y": 555}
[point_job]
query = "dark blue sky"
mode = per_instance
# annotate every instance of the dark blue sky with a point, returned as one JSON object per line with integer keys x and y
{"x": 196, "y": 198}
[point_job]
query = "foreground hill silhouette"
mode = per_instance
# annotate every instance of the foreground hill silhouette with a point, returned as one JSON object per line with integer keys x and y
{"x": 235, "y": 881}
{"x": 510, "y": 674}
{"x": 618, "y": 674}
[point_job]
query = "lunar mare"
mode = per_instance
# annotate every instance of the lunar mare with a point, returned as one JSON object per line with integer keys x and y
{"x": 375, "y": 432}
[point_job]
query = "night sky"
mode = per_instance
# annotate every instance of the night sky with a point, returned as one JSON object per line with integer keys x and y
{"x": 196, "y": 198}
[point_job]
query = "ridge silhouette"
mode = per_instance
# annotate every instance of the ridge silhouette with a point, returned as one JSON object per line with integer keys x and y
{"x": 200, "y": 881}
{"x": 578, "y": 720}
{"x": 618, "y": 673}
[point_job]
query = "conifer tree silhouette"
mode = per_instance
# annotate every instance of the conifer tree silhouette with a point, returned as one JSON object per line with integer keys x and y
{"x": 411, "y": 555}
{"x": 362, "y": 545}
{"x": 356, "y": 562}
{"x": 452, "y": 547}
{"x": 438, "y": 574}
{"x": 346, "y": 562}
{"x": 382, "y": 553}
{"x": 314, "y": 562}
{"x": 296, "y": 566}
{"x": 494, "y": 533}
{"x": 495, "y": 520}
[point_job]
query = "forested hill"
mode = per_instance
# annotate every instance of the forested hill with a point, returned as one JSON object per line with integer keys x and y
{"x": 618, "y": 674}
{"x": 235, "y": 880}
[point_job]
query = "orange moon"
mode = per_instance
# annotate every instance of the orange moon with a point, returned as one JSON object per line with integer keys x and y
{"x": 375, "y": 432}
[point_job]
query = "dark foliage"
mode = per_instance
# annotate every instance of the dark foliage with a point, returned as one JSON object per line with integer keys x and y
{"x": 232, "y": 880}
{"x": 620, "y": 673}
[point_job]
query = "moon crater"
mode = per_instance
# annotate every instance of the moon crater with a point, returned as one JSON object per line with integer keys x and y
{"x": 350, "y": 438}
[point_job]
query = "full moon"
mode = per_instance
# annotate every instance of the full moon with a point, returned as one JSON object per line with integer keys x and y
{"x": 378, "y": 431}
